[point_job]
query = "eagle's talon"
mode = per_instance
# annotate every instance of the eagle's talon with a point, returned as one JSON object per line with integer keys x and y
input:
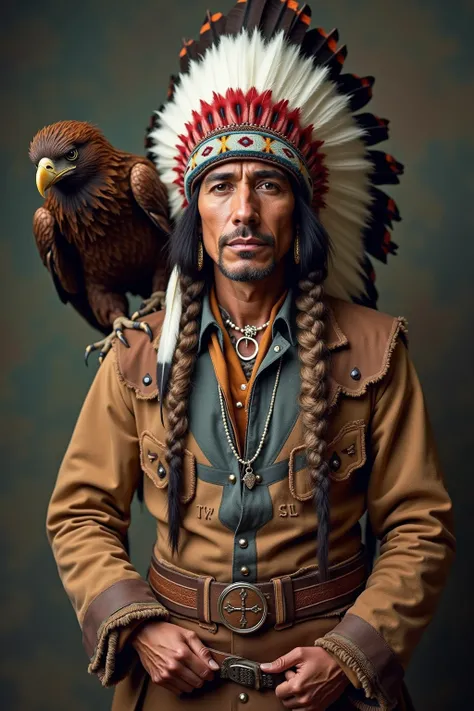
{"x": 121, "y": 337}
{"x": 145, "y": 327}
{"x": 89, "y": 350}
{"x": 118, "y": 327}
{"x": 154, "y": 303}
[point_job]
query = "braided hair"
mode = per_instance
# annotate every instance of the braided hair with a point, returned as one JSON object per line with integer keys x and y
{"x": 314, "y": 359}
{"x": 183, "y": 251}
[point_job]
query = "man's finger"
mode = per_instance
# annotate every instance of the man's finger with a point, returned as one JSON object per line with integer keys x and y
{"x": 183, "y": 672}
{"x": 284, "y": 662}
{"x": 202, "y": 660}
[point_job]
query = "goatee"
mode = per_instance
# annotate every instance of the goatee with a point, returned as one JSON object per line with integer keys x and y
{"x": 250, "y": 273}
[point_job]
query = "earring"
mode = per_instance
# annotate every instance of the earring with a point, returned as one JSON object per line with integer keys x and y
{"x": 200, "y": 256}
{"x": 296, "y": 249}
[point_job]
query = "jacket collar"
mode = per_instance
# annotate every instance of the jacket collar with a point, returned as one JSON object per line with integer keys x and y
{"x": 285, "y": 324}
{"x": 336, "y": 338}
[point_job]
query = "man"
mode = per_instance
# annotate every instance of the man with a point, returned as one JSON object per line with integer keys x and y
{"x": 280, "y": 416}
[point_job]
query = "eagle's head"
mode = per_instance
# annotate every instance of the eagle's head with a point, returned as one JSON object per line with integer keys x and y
{"x": 68, "y": 156}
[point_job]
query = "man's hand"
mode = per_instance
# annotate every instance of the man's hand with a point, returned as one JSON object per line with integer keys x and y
{"x": 317, "y": 683}
{"x": 174, "y": 658}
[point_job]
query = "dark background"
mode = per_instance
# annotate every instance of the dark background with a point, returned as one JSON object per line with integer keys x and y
{"x": 108, "y": 63}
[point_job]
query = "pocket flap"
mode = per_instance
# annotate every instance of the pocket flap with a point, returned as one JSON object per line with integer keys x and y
{"x": 345, "y": 453}
{"x": 155, "y": 466}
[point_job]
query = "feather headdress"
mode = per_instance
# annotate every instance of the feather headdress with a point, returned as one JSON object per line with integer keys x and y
{"x": 260, "y": 84}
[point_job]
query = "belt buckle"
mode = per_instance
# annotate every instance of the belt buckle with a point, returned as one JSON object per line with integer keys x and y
{"x": 242, "y": 671}
{"x": 246, "y": 599}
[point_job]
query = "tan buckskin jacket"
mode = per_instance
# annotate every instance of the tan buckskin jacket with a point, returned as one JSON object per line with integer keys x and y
{"x": 380, "y": 440}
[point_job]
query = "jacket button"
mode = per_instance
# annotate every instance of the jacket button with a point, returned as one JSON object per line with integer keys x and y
{"x": 258, "y": 478}
{"x": 161, "y": 471}
{"x": 147, "y": 379}
{"x": 243, "y": 542}
{"x": 244, "y": 570}
{"x": 243, "y": 698}
{"x": 232, "y": 478}
{"x": 355, "y": 374}
{"x": 335, "y": 462}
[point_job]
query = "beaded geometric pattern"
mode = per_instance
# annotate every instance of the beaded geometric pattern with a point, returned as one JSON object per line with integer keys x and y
{"x": 260, "y": 145}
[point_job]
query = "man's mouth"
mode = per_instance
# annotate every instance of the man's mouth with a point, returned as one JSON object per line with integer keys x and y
{"x": 244, "y": 242}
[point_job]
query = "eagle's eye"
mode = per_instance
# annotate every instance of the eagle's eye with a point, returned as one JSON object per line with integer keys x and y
{"x": 72, "y": 154}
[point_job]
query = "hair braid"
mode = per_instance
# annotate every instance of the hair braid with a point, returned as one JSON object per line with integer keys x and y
{"x": 178, "y": 395}
{"x": 314, "y": 358}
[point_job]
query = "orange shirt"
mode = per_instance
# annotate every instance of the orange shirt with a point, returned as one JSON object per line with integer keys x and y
{"x": 228, "y": 368}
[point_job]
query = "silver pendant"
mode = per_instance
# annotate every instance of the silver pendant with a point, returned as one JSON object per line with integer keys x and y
{"x": 246, "y": 339}
{"x": 249, "y": 477}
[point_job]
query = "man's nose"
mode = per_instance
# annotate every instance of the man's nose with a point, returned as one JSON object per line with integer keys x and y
{"x": 245, "y": 209}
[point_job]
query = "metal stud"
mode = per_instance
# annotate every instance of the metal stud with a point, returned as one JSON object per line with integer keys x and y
{"x": 147, "y": 379}
{"x": 243, "y": 386}
{"x": 258, "y": 478}
{"x": 243, "y": 542}
{"x": 277, "y": 349}
{"x": 244, "y": 570}
{"x": 238, "y": 405}
{"x": 355, "y": 374}
{"x": 161, "y": 471}
{"x": 335, "y": 462}
{"x": 232, "y": 478}
{"x": 243, "y": 698}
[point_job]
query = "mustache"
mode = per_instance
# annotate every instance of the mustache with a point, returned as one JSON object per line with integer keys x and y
{"x": 244, "y": 231}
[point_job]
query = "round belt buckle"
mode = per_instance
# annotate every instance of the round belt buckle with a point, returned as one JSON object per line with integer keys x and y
{"x": 242, "y": 607}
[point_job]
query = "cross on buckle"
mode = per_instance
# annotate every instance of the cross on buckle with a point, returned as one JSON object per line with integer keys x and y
{"x": 234, "y": 598}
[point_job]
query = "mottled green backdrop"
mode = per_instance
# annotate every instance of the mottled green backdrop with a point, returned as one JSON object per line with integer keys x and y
{"x": 108, "y": 62}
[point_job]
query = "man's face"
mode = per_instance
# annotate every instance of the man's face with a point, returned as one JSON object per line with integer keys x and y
{"x": 246, "y": 210}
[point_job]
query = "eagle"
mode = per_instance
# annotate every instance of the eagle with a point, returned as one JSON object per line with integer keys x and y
{"x": 102, "y": 231}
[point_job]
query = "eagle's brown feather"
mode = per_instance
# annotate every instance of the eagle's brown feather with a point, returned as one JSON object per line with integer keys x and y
{"x": 106, "y": 226}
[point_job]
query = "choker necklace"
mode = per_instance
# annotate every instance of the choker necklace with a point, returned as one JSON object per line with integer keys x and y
{"x": 249, "y": 335}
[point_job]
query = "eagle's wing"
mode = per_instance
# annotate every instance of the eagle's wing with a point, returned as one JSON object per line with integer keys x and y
{"x": 150, "y": 194}
{"x": 63, "y": 263}
{"x": 61, "y": 258}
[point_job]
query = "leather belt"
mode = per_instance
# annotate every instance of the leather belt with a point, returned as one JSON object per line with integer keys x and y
{"x": 245, "y": 607}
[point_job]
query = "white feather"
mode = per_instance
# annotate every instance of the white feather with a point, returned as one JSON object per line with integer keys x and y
{"x": 170, "y": 330}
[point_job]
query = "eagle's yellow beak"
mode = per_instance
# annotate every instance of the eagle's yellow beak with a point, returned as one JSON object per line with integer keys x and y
{"x": 47, "y": 174}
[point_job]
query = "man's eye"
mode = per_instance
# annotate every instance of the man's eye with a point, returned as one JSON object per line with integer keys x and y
{"x": 267, "y": 185}
{"x": 220, "y": 187}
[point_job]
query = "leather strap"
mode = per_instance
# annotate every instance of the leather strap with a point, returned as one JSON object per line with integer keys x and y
{"x": 297, "y": 598}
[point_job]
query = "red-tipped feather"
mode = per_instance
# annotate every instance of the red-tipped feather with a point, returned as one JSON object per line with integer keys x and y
{"x": 386, "y": 168}
{"x": 236, "y": 17}
{"x": 300, "y": 25}
{"x": 376, "y": 129}
{"x": 212, "y": 28}
{"x": 316, "y": 39}
{"x": 359, "y": 89}
{"x": 336, "y": 63}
